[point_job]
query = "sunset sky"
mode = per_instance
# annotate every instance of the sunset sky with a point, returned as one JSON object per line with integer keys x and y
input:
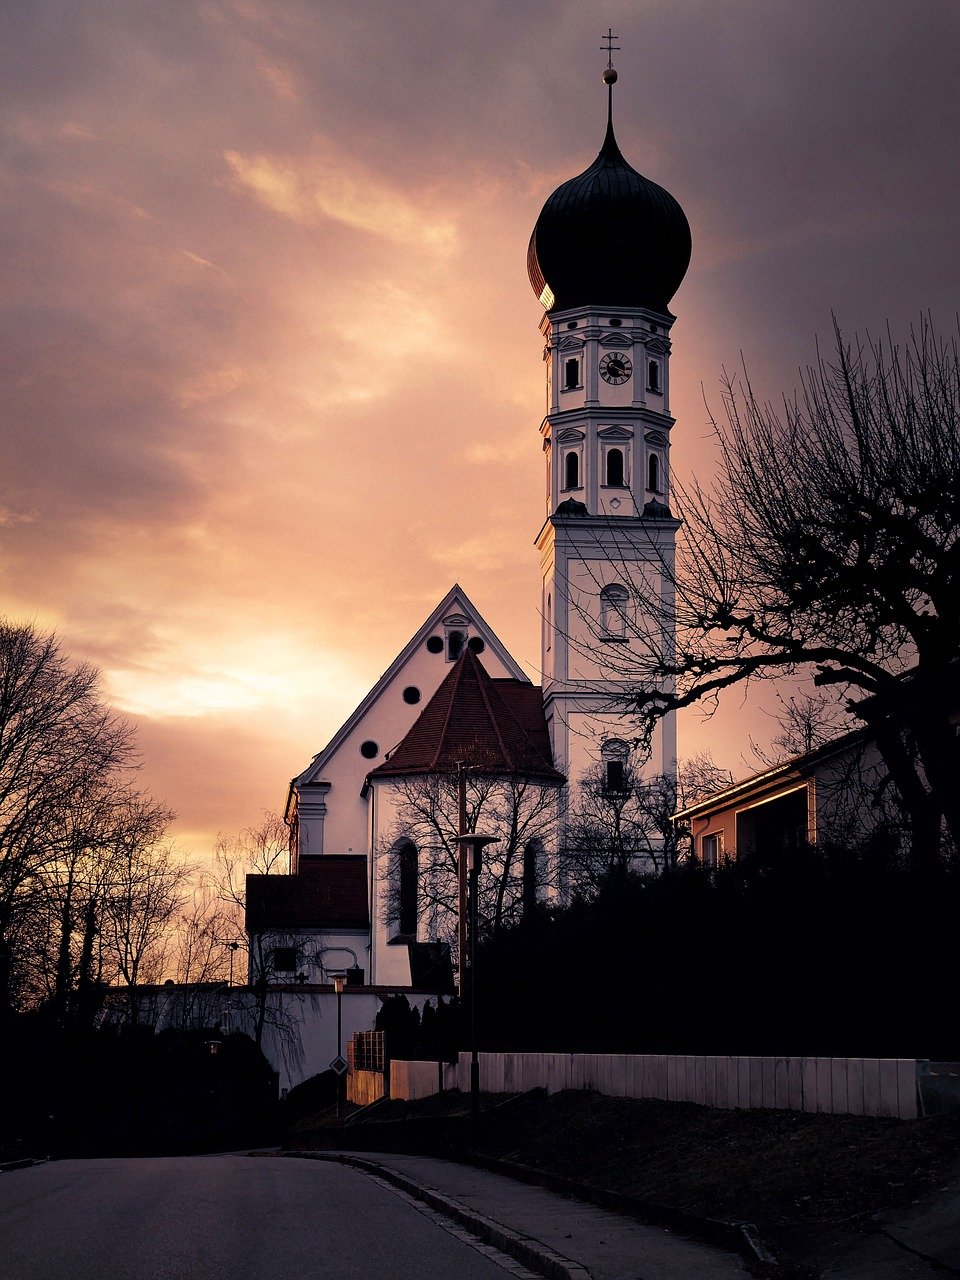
{"x": 271, "y": 376}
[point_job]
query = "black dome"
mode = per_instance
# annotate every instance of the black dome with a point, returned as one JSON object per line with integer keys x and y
{"x": 609, "y": 238}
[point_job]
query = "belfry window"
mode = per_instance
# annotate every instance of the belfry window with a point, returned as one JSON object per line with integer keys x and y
{"x": 613, "y": 611}
{"x": 455, "y": 643}
{"x": 653, "y": 473}
{"x": 571, "y": 470}
{"x": 653, "y": 375}
{"x": 615, "y": 753}
{"x": 571, "y": 374}
{"x": 615, "y": 468}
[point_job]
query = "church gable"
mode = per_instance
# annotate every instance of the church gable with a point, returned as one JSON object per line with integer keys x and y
{"x": 325, "y": 799}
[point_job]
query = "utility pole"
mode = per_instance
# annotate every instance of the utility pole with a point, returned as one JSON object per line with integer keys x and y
{"x": 471, "y": 855}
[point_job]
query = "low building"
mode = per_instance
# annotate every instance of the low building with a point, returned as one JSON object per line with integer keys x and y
{"x": 837, "y": 793}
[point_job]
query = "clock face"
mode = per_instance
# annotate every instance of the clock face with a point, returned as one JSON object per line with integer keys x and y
{"x": 615, "y": 367}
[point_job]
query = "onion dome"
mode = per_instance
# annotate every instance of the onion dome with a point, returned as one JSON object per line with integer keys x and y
{"x": 609, "y": 238}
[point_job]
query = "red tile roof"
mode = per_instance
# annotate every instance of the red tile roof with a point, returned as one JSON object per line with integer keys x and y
{"x": 326, "y": 892}
{"x": 495, "y": 726}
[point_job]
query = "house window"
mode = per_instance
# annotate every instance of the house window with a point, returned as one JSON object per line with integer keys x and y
{"x": 571, "y": 470}
{"x": 653, "y": 376}
{"x": 711, "y": 848}
{"x": 653, "y": 473}
{"x": 571, "y": 374}
{"x": 615, "y": 468}
{"x": 408, "y": 876}
{"x": 455, "y": 643}
{"x": 283, "y": 959}
{"x": 613, "y": 611}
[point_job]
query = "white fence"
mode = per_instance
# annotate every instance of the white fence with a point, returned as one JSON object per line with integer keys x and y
{"x": 849, "y": 1086}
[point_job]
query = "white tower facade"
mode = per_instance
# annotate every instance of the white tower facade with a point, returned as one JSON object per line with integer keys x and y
{"x": 607, "y": 542}
{"x": 606, "y": 255}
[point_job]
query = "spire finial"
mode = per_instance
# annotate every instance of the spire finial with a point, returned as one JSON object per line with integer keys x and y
{"x": 609, "y": 72}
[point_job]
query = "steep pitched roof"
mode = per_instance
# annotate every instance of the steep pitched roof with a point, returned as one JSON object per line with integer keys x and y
{"x": 494, "y": 726}
{"x": 326, "y": 892}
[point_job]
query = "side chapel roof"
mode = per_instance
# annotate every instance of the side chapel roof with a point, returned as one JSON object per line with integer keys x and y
{"x": 327, "y": 892}
{"x": 495, "y": 727}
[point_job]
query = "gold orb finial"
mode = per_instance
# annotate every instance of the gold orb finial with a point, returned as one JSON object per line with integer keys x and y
{"x": 609, "y": 75}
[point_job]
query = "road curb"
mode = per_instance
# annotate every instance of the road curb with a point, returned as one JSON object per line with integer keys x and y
{"x": 10, "y": 1166}
{"x": 531, "y": 1253}
{"x": 739, "y": 1237}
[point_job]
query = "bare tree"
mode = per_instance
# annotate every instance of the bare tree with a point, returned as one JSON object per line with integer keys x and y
{"x": 828, "y": 542}
{"x": 67, "y": 808}
{"x": 522, "y": 811}
{"x": 623, "y": 826}
{"x": 262, "y": 850}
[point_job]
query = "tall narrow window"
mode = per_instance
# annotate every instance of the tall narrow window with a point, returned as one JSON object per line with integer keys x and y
{"x": 613, "y": 611}
{"x": 455, "y": 642}
{"x": 653, "y": 473}
{"x": 615, "y": 754}
{"x": 616, "y": 776}
{"x": 571, "y": 374}
{"x": 549, "y": 644}
{"x": 407, "y": 871}
{"x": 532, "y": 851}
{"x": 615, "y": 467}
{"x": 571, "y": 471}
{"x": 653, "y": 375}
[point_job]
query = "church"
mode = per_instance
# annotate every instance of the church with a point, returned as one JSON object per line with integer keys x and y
{"x": 453, "y": 736}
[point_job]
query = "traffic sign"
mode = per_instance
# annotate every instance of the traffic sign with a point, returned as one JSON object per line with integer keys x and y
{"x": 339, "y": 1065}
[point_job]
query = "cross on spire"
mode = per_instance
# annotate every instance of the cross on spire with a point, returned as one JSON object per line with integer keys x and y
{"x": 610, "y": 48}
{"x": 609, "y": 79}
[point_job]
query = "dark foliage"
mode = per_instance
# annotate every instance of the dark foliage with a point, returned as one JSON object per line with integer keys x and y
{"x": 435, "y": 1036}
{"x": 127, "y": 1091}
{"x": 830, "y": 953}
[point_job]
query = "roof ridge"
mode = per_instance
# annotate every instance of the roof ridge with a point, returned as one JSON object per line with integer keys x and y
{"x": 485, "y": 693}
{"x": 454, "y": 679}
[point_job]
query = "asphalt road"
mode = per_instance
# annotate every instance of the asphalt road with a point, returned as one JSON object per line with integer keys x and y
{"x": 235, "y": 1217}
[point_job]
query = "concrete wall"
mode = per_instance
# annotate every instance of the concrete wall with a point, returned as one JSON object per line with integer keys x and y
{"x": 849, "y": 1086}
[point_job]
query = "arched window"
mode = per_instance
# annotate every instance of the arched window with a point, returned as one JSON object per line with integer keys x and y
{"x": 571, "y": 374}
{"x": 407, "y": 874}
{"x": 571, "y": 470}
{"x": 614, "y": 600}
{"x": 653, "y": 375}
{"x": 455, "y": 643}
{"x": 615, "y": 467}
{"x": 653, "y": 473}
{"x": 549, "y": 621}
{"x": 615, "y": 754}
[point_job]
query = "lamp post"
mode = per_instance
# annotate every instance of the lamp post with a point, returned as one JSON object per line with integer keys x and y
{"x": 471, "y": 848}
{"x": 232, "y": 946}
{"x": 339, "y": 981}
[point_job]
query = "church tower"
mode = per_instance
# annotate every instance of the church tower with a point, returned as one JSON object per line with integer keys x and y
{"x": 607, "y": 254}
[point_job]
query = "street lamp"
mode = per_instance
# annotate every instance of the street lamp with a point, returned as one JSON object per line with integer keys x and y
{"x": 339, "y": 982}
{"x": 471, "y": 847}
{"x": 232, "y": 947}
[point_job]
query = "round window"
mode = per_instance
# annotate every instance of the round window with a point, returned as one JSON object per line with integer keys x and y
{"x": 476, "y": 644}
{"x": 369, "y": 749}
{"x": 411, "y": 694}
{"x": 435, "y": 644}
